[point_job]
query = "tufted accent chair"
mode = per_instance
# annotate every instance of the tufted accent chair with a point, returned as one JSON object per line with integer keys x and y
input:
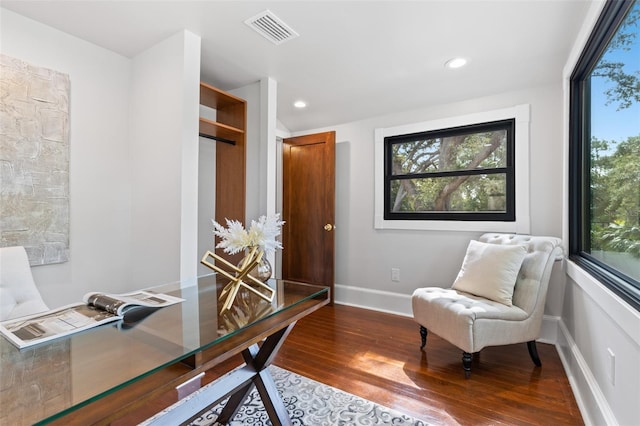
{"x": 19, "y": 295}
{"x": 472, "y": 323}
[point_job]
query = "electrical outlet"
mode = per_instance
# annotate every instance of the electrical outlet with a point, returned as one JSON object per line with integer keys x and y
{"x": 612, "y": 366}
{"x": 395, "y": 275}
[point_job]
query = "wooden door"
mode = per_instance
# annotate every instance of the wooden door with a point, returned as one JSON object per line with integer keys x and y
{"x": 308, "y": 209}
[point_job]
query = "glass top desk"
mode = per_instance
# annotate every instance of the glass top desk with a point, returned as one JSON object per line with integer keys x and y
{"x": 104, "y": 373}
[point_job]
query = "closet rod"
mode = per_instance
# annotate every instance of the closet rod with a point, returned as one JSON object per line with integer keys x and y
{"x": 218, "y": 138}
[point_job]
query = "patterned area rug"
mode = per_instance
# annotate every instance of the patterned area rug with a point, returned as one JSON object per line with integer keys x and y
{"x": 311, "y": 403}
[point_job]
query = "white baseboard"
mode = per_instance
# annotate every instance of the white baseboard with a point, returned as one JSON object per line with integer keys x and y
{"x": 377, "y": 300}
{"x": 593, "y": 405}
{"x": 400, "y": 304}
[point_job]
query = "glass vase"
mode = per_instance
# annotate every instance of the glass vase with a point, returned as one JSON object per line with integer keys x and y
{"x": 262, "y": 271}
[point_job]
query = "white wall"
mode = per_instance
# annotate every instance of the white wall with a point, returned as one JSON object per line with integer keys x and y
{"x": 100, "y": 167}
{"x": 133, "y": 159}
{"x": 164, "y": 159}
{"x": 595, "y": 322}
{"x": 365, "y": 256}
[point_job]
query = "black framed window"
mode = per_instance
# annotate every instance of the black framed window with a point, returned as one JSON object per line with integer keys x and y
{"x": 604, "y": 148}
{"x": 461, "y": 173}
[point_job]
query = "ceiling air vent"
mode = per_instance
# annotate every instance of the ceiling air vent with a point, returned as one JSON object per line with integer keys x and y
{"x": 271, "y": 27}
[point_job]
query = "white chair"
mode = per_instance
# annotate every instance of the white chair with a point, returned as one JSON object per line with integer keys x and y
{"x": 497, "y": 299}
{"x": 19, "y": 295}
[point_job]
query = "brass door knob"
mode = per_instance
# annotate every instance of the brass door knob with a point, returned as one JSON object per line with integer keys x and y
{"x": 329, "y": 227}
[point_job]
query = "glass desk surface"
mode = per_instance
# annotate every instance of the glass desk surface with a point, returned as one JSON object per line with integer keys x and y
{"x": 49, "y": 380}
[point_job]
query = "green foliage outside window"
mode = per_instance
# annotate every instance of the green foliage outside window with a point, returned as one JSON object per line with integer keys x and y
{"x": 604, "y": 166}
{"x": 615, "y": 162}
{"x": 615, "y": 196}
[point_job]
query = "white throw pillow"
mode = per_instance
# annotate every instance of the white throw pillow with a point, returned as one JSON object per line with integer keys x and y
{"x": 490, "y": 270}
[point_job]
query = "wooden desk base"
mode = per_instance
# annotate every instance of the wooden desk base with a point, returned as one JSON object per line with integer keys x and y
{"x": 236, "y": 385}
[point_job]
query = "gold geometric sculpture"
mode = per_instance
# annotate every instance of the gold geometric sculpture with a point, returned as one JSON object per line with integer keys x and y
{"x": 242, "y": 273}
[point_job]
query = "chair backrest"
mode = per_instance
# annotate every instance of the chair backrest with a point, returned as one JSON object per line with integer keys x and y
{"x": 530, "y": 291}
{"x": 19, "y": 295}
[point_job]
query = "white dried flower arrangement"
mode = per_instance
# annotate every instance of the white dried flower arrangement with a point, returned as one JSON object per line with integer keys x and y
{"x": 262, "y": 234}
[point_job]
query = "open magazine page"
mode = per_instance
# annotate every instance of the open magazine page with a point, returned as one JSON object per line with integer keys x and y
{"x": 42, "y": 327}
{"x": 120, "y": 303}
{"x": 97, "y": 309}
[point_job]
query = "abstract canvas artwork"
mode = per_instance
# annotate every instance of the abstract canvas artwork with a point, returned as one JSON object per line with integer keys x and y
{"x": 34, "y": 160}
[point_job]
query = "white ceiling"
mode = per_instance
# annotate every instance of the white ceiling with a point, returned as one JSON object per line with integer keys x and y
{"x": 353, "y": 59}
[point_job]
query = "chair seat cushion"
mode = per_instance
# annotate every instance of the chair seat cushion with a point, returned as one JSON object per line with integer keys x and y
{"x": 467, "y": 321}
{"x": 463, "y": 304}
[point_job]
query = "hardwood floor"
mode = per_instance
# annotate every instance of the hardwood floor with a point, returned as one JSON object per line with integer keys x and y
{"x": 377, "y": 356}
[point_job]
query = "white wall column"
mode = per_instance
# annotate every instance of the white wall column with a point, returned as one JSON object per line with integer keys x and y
{"x": 164, "y": 153}
{"x": 189, "y": 256}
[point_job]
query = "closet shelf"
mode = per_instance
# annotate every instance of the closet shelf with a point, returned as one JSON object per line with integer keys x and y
{"x": 215, "y": 130}
{"x": 216, "y": 98}
{"x": 228, "y": 127}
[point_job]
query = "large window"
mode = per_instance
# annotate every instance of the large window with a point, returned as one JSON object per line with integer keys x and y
{"x": 605, "y": 152}
{"x": 466, "y": 173}
{"x": 463, "y": 173}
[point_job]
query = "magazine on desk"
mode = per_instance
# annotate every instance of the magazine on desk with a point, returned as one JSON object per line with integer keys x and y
{"x": 97, "y": 309}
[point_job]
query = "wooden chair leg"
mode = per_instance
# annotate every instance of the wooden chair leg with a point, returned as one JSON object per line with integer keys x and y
{"x": 423, "y": 336}
{"x": 533, "y": 352}
{"x": 466, "y": 364}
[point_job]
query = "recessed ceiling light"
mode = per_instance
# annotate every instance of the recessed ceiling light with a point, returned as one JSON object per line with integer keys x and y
{"x": 300, "y": 104}
{"x": 455, "y": 63}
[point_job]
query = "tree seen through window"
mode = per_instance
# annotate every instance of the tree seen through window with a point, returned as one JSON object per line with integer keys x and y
{"x": 453, "y": 171}
{"x": 604, "y": 168}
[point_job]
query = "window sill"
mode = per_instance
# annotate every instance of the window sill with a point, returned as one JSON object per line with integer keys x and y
{"x": 446, "y": 225}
